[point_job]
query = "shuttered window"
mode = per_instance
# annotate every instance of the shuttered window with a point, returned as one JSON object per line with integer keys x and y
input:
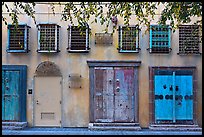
{"x": 160, "y": 39}
{"x": 48, "y": 38}
{"x": 18, "y": 38}
{"x": 128, "y": 39}
{"x": 189, "y": 39}
{"x": 78, "y": 39}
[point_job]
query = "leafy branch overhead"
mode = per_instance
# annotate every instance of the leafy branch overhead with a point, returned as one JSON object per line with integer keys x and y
{"x": 144, "y": 12}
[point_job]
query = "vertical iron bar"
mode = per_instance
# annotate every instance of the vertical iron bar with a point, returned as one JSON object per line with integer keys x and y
{"x": 174, "y": 118}
{"x": 38, "y": 37}
{"x": 8, "y": 45}
{"x": 70, "y": 31}
{"x": 121, "y": 40}
{"x": 25, "y": 38}
{"x": 87, "y": 38}
{"x": 150, "y": 41}
{"x": 169, "y": 30}
{"x": 56, "y": 38}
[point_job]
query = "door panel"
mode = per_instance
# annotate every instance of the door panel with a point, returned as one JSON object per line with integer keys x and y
{"x": 114, "y": 96}
{"x": 163, "y": 97}
{"x": 10, "y": 96}
{"x": 184, "y": 98}
{"x": 103, "y": 96}
{"x": 124, "y": 106}
{"x": 47, "y": 101}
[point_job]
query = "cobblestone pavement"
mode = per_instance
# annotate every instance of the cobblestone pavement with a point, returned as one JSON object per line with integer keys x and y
{"x": 85, "y": 131}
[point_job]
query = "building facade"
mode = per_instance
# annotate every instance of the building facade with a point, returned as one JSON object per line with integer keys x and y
{"x": 52, "y": 76}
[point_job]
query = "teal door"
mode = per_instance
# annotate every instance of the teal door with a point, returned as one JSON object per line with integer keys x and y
{"x": 13, "y": 93}
{"x": 10, "y": 95}
{"x": 173, "y": 97}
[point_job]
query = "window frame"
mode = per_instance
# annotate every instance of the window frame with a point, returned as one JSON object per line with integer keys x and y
{"x": 57, "y": 38}
{"x": 151, "y": 47}
{"x": 87, "y": 48}
{"x": 26, "y": 39}
{"x": 137, "y": 48}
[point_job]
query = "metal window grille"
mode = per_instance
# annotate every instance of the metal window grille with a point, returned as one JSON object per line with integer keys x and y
{"x": 189, "y": 39}
{"x": 18, "y": 38}
{"x": 160, "y": 39}
{"x": 128, "y": 39}
{"x": 48, "y": 38}
{"x": 78, "y": 39}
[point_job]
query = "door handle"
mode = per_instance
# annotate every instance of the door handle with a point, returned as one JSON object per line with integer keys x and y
{"x": 117, "y": 89}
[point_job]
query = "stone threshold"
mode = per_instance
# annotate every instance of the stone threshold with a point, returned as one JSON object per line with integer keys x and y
{"x": 14, "y": 125}
{"x": 114, "y": 126}
{"x": 178, "y": 127}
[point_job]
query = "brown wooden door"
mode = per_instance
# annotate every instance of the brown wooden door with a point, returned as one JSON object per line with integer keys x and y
{"x": 113, "y": 95}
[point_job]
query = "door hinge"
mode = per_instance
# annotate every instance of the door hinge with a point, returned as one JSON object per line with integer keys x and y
{"x": 60, "y": 121}
{"x": 60, "y": 82}
{"x": 60, "y": 102}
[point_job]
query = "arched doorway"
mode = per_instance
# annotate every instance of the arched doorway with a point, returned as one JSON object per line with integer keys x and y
{"x": 47, "y": 95}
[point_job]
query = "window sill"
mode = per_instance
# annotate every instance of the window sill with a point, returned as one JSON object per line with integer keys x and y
{"x": 189, "y": 54}
{"x": 78, "y": 51}
{"x": 46, "y": 51}
{"x": 17, "y": 51}
{"x": 157, "y": 50}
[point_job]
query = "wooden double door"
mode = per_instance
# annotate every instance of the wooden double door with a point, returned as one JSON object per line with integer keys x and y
{"x": 173, "y": 97}
{"x": 114, "y": 94}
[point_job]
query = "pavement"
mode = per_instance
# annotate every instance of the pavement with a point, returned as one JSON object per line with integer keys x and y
{"x": 86, "y": 131}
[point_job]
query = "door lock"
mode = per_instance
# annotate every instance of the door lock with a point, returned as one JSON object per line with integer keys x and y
{"x": 171, "y": 88}
{"x": 110, "y": 81}
{"x": 37, "y": 102}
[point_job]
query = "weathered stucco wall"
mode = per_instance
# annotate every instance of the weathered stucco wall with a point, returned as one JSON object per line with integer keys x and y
{"x": 76, "y": 101}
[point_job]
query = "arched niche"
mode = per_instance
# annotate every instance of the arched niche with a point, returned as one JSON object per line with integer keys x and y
{"x": 48, "y": 68}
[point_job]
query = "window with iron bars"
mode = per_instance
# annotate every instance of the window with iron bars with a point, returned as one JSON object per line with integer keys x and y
{"x": 18, "y": 38}
{"x": 160, "y": 39}
{"x": 78, "y": 39}
{"x": 48, "y": 38}
{"x": 189, "y": 39}
{"x": 128, "y": 39}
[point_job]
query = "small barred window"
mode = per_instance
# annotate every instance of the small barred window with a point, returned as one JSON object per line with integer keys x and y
{"x": 128, "y": 39}
{"x": 189, "y": 39}
{"x": 18, "y": 38}
{"x": 78, "y": 39}
{"x": 160, "y": 39}
{"x": 48, "y": 38}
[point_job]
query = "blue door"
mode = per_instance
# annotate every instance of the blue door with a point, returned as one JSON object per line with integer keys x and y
{"x": 184, "y": 98}
{"x": 173, "y": 97}
{"x": 10, "y": 95}
{"x": 163, "y": 97}
{"x": 13, "y": 93}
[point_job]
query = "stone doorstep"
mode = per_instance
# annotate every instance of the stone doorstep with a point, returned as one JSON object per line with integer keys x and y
{"x": 175, "y": 127}
{"x": 114, "y": 126}
{"x": 14, "y": 125}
